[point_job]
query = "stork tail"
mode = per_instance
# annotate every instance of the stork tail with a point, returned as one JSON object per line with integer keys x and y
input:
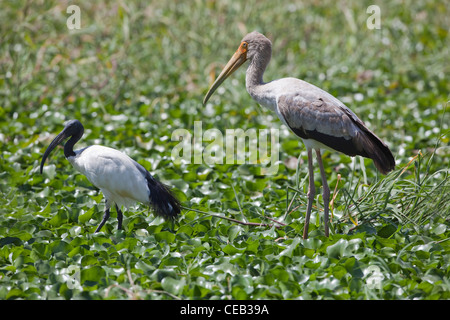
{"x": 378, "y": 151}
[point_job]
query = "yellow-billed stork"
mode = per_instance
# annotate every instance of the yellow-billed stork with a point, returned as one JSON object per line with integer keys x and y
{"x": 122, "y": 180}
{"x": 319, "y": 119}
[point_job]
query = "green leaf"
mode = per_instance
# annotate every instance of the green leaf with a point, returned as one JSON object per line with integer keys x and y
{"x": 10, "y": 240}
{"x": 312, "y": 243}
{"x": 92, "y": 275}
{"x": 230, "y": 249}
{"x": 232, "y": 232}
{"x": 387, "y": 231}
{"x": 14, "y": 293}
{"x": 59, "y": 218}
{"x": 288, "y": 252}
{"x": 60, "y": 246}
{"x": 85, "y": 216}
{"x": 339, "y": 272}
{"x": 165, "y": 236}
{"x": 174, "y": 286}
{"x": 336, "y": 250}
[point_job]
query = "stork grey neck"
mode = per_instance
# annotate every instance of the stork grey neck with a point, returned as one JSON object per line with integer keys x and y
{"x": 259, "y": 90}
{"x": 254, "y": 75}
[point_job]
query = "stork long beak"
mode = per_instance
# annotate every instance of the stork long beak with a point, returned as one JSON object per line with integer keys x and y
{"x": 58, "y": 139}
{"x": 239, "y": 57}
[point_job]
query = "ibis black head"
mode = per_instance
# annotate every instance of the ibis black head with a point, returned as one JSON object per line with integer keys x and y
{"x": 73, "y": 129}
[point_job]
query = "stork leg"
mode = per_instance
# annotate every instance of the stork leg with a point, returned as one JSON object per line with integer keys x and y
{"x": 311, "y": 194}
{"x": 105, "y": 217}
{"x": 119, "y": 218}
{"x": 325, "y": 194}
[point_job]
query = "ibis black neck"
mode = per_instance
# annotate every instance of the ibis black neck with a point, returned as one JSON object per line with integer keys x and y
{"x": 75, "y": 132}
{"x": 68, "y": 146}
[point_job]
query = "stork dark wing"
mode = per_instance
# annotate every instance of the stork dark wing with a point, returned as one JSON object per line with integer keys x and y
{"x": 318, "y": 117}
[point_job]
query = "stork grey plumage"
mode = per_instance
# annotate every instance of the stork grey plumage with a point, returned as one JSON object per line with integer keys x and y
{"x": 122, "y": 180}
{"x": 319, "y": 119}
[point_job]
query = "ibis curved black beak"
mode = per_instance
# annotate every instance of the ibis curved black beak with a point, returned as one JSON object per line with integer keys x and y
{"x": 58, "y": 139}
{"x": 73, "y": 129}
{"x": 239, "y": 57}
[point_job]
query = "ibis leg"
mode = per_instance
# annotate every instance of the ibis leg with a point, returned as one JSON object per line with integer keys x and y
{"x": 311, "y": 193}
{"x": 325, "y": 194}
{"x": 105, "y": 217}
{"x": 119, "y": 218}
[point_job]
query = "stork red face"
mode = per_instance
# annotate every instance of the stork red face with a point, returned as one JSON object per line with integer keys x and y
{"x": 239, "y": 57}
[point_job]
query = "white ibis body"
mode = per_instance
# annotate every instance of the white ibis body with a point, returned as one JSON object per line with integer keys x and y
{"x": 318, "y": 118}
{"x": 122, "y": 180}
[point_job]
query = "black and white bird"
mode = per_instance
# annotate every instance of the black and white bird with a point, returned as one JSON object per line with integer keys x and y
{"x": 314, "y": 115}
{"x": 122, "y": 180}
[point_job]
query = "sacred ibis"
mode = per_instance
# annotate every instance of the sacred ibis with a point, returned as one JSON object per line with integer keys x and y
{"x": 122, "y": 180}
{"x": 318, "y": 118}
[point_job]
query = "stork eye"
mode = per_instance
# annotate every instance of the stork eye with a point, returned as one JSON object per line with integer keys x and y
{"x": 244, "y": 45}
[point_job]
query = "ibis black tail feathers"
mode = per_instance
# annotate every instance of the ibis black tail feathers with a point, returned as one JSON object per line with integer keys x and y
{"x": 163, "y": 200}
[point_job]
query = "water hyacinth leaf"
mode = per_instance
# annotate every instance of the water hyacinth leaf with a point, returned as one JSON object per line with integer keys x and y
{"x": 59, "y": 218}
{"x": 337, "y": 249}
{"x": 85, "y": 216}
{"x": 312, "y": 243}
{"x": 439, "y": 229}
{"x": 174, "y": 286}
{"x": 165, "y": 236}
{"x": 60, "y": 246}
{"x": 230, "y": 249}
{"x": 233, "y": 232}
{"x": 288, "y": 252}
{"x": 92, "y": 275}
{"x": 10, "y": 240}
{"x": 387, "y": 231}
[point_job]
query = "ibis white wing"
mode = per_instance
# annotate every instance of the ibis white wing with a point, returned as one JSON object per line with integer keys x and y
{"x": 114, "y": 173}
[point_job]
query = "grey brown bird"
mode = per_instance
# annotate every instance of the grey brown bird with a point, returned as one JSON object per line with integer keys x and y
{"x": 319, "y": 119}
